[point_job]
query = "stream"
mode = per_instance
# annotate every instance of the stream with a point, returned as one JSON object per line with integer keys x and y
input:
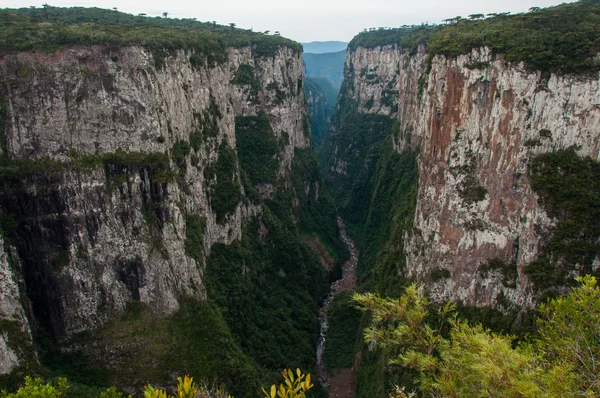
{"x": 347, "y": 283}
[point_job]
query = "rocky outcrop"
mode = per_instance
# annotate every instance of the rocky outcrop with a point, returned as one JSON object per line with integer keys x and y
{"x": 15, "y": 332}
{"x": 110, "y": 155}
{"x": 476, "y": 121}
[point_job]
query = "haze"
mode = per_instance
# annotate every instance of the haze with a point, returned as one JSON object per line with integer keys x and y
{"x": 307, "y": 20}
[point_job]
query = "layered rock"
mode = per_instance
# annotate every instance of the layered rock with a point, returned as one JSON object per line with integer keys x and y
{"x": 130, "y": 145}
{"x": 476, "y": 121}
{"x": 15, "y": 332}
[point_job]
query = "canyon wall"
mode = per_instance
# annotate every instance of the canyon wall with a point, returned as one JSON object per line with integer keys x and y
{"x": 476, "y": 122}
{"x": 120, "y": 173}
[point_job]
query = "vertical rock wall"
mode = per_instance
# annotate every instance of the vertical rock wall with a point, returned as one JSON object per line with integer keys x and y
{"x": 94, "y": 236}
{"x": 477, "y": 122}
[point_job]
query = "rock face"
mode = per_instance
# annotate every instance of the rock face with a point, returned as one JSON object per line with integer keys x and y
{"x": 476, "y": 122}
{"x": 15, "y": 335}
{"x": 118, "y": 156}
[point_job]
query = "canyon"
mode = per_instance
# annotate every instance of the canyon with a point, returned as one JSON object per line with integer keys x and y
{"x": 162, "y": 204}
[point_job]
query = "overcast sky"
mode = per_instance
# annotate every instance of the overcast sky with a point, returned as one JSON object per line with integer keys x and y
{"x": 306, "y": 20}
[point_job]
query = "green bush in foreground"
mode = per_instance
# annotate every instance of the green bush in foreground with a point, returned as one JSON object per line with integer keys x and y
{"x": 294, "y": 386}
{"x": 470, "y": 361}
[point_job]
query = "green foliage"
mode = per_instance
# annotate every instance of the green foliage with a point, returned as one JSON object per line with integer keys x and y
{"x": 294, "y": 387}
{"x": 514, "y": 320}
{"x": 194, "y": 237}
{"x": 179, "y": 151}
{"x": 194, "y": 341}
{"x": 562, "y": 39}
{"x": 49, "y": 28}
{"x": 321, "y": 97}
{"x": 186, "y": 388}
{"x": 225, "y": 190}
{"x": 268, "y": 290}
{"x": 569, "y": 330}
{"x": 472, "y": 361}
{"x": 17, "y": 339}
{"x": 317, "y": 213}
{"x": 257, "y": 148}
{"x": 35, "y": 388}
{"x": 207, "y": 124}
{"x": 508, "y": 270}
{"x": 377, "y": 199}
{"x": 245, "y": 76}
{"x": 568, "y": 187}
{"x": 342, "y": 335}
{"x": 439, "y": 274}
{"x": 408, "y": 38}
{"x": 210, "y": 350}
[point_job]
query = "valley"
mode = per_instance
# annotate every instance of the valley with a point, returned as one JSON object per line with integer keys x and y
{"x": 184, "y": 198}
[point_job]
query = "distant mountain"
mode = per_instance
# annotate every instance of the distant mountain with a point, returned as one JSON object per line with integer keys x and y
{"x": 329, "y": 65}
{"x": 322, "y": 47}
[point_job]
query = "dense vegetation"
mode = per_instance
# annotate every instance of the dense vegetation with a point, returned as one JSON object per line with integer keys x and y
{"x": 321, "y": 98}
{"x": 295, "y": 385}
{"x": 343, "y": 333}
{"x": 377, "y": 194}
{"x": 268, "y": 284}
{"x": 258, "y": 149}
{"x": 569, "y": 190}
{"x": 225, "y": 189}
{"x": 563, "y": 39}
{"x": 455, "y": 359}
{"x": 49, "y": 28}
{"x": 376, "y": 197}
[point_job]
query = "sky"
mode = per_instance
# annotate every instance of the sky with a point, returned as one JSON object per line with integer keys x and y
{"x": 306, "y": 20}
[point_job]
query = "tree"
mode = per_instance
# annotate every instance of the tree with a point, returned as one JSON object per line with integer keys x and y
{"x": 165, "y": 14}
{"x": 570, "y": 332}
{"x": 35, "y": 388}
{"x": 294, "y": 387}
{"x": 476, "y": 16}
{"x": 472, "y": 361}
{"x": 232, "y": 25}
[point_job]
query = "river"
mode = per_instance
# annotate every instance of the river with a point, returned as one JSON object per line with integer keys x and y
{"x": 347, "y": 283}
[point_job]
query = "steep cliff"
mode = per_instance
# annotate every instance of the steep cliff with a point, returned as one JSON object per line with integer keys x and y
{"x": 125, "y": 166}
{"x": 466, "y": 158}
{"x": 483, "y": 231}
{"x": 321, "y": 98}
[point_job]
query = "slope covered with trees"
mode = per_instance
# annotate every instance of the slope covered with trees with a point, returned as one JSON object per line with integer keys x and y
{"x": 560, "y": 39}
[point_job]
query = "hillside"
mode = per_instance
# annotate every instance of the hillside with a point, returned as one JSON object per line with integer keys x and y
{"x": 321, "y": 98}
{"x": 329, "y": 66}
{"x": 455, "y": 155}
{"x": 164, "y": 210}
{"x": 159, "y": 196}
